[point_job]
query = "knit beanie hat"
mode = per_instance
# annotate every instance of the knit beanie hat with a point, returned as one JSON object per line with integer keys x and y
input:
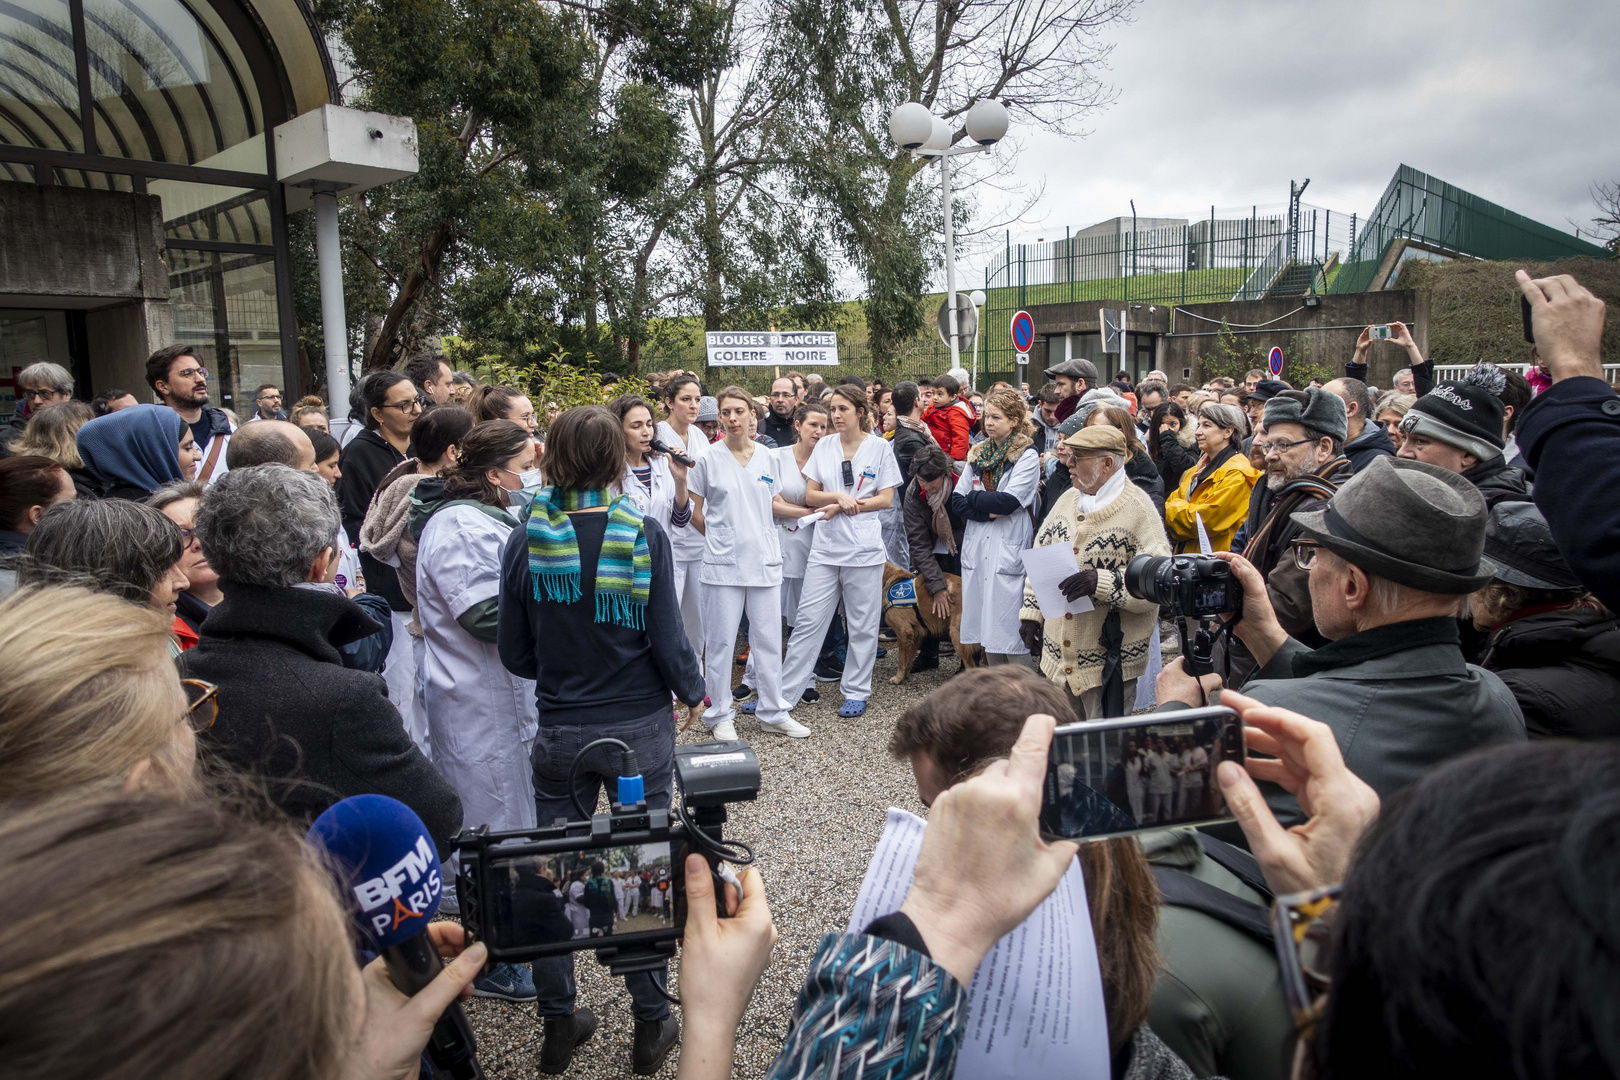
{"x": 1466, "y": 414}
{"x": 1314, "y": 409}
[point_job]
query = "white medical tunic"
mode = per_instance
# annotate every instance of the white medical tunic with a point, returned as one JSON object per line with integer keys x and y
{"x": 482, "y": 718}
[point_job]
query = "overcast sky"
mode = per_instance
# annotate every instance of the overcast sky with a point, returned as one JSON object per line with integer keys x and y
{"x": 1224, "y": 102}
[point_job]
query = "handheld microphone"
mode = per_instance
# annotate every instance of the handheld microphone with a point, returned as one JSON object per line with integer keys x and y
{"x": 389, "y": 874}
{"x": 659, "y": 446}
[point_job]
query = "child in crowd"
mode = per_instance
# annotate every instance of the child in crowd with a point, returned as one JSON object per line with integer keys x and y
{"x": 950, "y": 418}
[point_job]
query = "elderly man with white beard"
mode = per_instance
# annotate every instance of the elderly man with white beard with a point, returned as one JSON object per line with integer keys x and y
{"x": 1097, "y": 655}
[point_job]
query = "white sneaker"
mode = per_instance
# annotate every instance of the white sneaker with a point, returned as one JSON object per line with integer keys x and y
{"x": 724, "y": 731}
{"x": 789, "y": 727}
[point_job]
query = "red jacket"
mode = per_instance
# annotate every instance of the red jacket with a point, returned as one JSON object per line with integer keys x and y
{"x": 950, "y": 426}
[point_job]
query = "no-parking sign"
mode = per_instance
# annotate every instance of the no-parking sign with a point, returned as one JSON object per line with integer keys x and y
{"x": 1275, "y": 361}
{"x": 1023, "y": 331}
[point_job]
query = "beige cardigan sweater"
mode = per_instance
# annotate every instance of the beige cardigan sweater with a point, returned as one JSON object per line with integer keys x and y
{"x": 1107, "y": 540}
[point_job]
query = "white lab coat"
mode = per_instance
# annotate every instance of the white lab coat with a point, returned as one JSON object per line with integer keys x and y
{"x": 795, "y": 541}
{"x": 659, "y": 504}
{"x": 992, "y": 566}
{"x": 481, "y": 717}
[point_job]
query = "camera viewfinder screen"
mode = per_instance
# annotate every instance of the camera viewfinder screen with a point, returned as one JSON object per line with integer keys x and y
{"x": 563, "y": 896}
{"x": 1131, "y": 779}
{"x": 1211, "y": 598}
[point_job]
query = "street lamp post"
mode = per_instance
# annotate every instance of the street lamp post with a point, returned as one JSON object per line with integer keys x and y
{"x": 918, "y": 130}
{"x": 978, "y": 298}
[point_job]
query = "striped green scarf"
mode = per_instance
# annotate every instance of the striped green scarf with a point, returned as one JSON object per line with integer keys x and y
{"x": 623, "y": 570}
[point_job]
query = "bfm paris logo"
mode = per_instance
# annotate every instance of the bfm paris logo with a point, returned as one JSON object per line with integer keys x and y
{"x": 420, "y": 866}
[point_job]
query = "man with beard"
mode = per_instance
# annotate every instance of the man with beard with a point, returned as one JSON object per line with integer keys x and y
{"x": 778, "y": 423}
{"x": 180, "y": 381}
{"x": 1305, "y": 464}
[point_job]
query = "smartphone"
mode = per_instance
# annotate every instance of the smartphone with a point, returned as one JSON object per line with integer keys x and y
{"x": 539, "y": 903}
{"x": 1524, "y": 309}
{"x": 1379, "y": 333}
{"x": 1119, "y": 777}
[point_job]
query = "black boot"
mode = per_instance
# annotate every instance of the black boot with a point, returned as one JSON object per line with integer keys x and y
{"x": 562, "y": 1035}
{"x": 654, "y": 1040}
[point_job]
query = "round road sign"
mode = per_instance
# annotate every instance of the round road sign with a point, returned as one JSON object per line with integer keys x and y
{"x": 1275, "y": 361}
{"x": 1023, "y": 331}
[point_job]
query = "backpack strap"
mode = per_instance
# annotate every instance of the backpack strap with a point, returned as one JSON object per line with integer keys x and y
{"x": 1239, "y": 863}
{"x": 215, "y": 443}
{"x": 1185, "y": 891}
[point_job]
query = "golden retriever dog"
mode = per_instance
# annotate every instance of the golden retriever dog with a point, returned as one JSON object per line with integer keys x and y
{"x": 912, "y": 624}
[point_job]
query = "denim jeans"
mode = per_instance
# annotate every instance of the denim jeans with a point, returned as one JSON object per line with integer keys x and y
{"x": 653, "y": 740}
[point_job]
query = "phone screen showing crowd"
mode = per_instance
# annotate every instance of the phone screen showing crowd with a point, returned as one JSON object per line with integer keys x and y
{"x": 1108, "y": 780}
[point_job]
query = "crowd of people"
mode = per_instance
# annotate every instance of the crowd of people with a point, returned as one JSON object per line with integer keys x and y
{"x": 220, "y": 627}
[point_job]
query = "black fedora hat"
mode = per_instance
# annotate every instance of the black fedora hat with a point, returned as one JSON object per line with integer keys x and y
{"x": 1407, "y": 521}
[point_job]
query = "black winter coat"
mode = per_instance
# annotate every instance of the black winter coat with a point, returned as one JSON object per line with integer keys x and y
{"x": 291, "y": 715}
{"x": 1499, "y": 482}
{"x": 1570, "y": 435}
{"x": 365, "y": 461}
{"x": 1564, "y": 669}
{"x": 1373, "y": 443}
{"x": 1174, "y": 461}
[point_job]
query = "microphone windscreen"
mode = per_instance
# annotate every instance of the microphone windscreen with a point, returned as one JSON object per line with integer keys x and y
{"x": 387, "y": 866}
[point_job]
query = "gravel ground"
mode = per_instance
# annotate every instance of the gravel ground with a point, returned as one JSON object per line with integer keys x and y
{"x": 821, "y": 807}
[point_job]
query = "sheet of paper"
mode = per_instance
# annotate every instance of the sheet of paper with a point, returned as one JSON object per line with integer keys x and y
{"x": 1203, "y": 537}
{"x": 1046, "y": 567}
{"x": 795, "y": 524}
{"x": 1035, "y": 1006}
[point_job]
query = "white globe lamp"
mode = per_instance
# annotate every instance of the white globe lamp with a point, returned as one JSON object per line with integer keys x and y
{"x": 911, "y": 124}
{"x": 987, "y": 121}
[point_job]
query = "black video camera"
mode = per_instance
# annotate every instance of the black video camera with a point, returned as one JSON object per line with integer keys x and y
{"x": 1196, "y": 586}
{"x": 614, "y": 882}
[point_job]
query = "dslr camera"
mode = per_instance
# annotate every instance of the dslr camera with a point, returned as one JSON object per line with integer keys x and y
{"x": 1195, "y": 587}
{"x": 612, "y": 881}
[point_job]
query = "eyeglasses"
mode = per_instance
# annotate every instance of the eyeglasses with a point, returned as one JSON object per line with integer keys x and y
{"x": 1305, "y": 553}
{"x": 188, "y": 537}
{"x": 202, "y": 704}
{"x": 404, "y": 406}
{"x": 1278, "y": 447}
{"x": 1302, "y": 931}
{"x": 192, "y": 373}
{"x": 41, "y": 395}
{"x": 269, "y": 397}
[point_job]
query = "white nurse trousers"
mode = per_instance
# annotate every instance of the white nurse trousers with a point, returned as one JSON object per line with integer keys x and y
{"x": 861, "y": 588}
{"x": 723, "y": 607}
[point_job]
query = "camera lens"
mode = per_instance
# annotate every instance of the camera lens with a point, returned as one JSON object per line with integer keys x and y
{"x": 1141, "y": 576}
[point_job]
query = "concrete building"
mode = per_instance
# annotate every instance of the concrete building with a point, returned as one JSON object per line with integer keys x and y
{"x": 140, "y": 202}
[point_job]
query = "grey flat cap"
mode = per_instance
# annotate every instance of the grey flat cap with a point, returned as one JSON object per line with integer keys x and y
{"x": 1413, "y": 523}
{"x": 1075, "y": 369}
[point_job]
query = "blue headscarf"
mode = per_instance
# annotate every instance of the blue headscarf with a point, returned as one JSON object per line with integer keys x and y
{"x": 139, "y": 446}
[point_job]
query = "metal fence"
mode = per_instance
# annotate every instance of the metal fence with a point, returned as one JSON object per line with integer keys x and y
{"x": 1454, "y": 372}
{"x": 1446, "y": 221}
{"x": 1230, "y": 255}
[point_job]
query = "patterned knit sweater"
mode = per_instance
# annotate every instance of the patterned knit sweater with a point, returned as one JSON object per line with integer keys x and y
{"x": 1106, "y": 540}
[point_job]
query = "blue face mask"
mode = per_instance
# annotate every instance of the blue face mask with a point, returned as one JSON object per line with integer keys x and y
{"x": 532, "y": 483}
